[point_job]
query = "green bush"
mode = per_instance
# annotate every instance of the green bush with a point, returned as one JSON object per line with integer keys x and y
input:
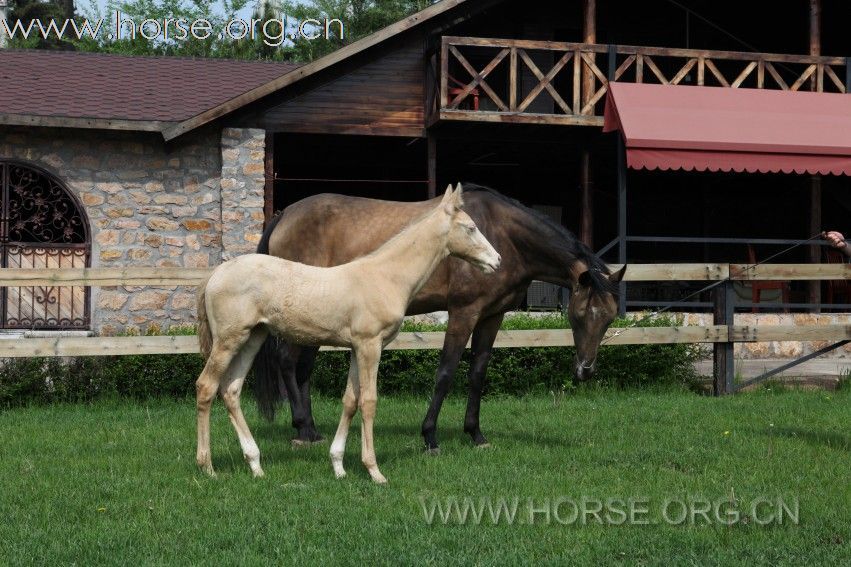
{"x": 518, "y": 371}
{"x": 515, "y": 371}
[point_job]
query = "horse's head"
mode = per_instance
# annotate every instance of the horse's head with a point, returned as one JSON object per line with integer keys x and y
{"x": 591, "y": 311}
{"x": 465, "y": 239}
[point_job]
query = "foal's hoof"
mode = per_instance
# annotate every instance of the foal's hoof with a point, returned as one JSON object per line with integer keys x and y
{"x": 378, "y": 478}
{"x": 207, "y": 469}
{"x": 340, "y": 474}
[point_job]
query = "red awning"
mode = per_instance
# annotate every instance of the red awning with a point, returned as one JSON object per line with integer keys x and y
{"x": 723, "y": 129}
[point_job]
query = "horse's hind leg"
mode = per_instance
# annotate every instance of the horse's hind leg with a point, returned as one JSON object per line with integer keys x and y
{"x": 206, "y": 388}
{"x": 231, "y": 389}
{"x": 350, "y": 406}
{"x": 304, "y": 368}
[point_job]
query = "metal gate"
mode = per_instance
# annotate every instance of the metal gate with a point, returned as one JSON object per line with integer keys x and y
{"x": 42, "y": 225}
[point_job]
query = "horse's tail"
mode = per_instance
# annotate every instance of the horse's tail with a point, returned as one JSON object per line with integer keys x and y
{"x": 205, "y": 336}
{"x": 267, "y": 363}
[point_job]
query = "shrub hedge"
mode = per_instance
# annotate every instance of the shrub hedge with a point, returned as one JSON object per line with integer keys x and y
{"x": 512, "y": 371}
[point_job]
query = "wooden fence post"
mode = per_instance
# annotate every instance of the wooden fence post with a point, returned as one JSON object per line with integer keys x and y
{"x": 722, "y": 359}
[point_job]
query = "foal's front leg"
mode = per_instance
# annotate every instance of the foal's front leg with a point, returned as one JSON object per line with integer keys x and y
{"x": 368, "y": 357}
{"x": 350, "y": 406}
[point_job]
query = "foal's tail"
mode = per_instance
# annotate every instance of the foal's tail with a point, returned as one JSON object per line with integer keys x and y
{"x": 205, "y": 336}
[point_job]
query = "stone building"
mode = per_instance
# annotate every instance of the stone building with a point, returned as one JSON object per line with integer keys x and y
{"x": 90, "y": 155}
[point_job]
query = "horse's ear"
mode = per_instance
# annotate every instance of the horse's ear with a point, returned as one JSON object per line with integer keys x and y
{"x": 584, "y": 279}
{"x": 618, "y": 276}
{"x": 459, "y": 199}
{"x": 447, "y": 203}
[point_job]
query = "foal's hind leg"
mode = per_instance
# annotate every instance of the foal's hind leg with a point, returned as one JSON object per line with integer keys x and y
{"x": 350, "y": 406}
{"x": 231, "y": 389}
{"x": 206, "y": 388}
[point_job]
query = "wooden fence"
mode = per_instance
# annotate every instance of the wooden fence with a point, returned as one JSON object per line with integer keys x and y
{"x": 723, "y": 333}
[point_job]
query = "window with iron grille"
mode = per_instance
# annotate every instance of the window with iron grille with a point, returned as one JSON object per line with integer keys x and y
{"x": 42, "y": 225}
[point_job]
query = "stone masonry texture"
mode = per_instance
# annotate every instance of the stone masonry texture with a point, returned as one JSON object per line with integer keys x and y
{"x": 153, "y": 204}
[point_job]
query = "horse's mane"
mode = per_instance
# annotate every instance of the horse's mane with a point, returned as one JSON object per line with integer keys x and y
{"x": 597, "y": 269}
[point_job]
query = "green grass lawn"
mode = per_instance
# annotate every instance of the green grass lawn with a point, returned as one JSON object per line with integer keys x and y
{"x": 116, "y": 483}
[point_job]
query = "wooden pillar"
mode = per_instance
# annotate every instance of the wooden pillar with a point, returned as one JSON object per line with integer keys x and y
{"x": 621, "y": 220}
{"x": 814, "y": 252}
{"x": 432, "y": 166}
{"x": 589, "y": 35}
{"x": 723, "y": 370}
{"x": 586, "y": 195}
{"x": 586, "y": 201}
{"x": 269, "y": 175}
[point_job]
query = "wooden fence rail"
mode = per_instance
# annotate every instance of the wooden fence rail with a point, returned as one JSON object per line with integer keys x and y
{"x": 145, "y": 276}
{"x": 723, "y": 333}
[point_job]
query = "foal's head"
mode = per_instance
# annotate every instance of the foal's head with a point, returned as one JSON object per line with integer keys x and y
{"x": 591, "y": 310}
{"x": 465, "y": 239}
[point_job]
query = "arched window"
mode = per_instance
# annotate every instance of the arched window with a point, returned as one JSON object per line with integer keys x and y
{"x": 42, "y": 225}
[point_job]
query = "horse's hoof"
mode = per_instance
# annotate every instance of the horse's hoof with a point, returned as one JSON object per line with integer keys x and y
{"x": 484, "y": 445}
{"x": 207, "y": 469}
{"x": 297, "y": 442}
{"x": 378, "y": 478}
{"x": 433, "y": 451}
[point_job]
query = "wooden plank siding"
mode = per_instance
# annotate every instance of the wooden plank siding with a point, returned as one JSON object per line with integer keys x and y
{"x": 382, "y": 97}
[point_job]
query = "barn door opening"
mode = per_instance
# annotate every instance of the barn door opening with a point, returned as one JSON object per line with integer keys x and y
{"x": 42, "y": 225}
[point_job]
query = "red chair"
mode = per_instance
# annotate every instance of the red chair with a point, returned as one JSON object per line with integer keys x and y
{"x": 757, "y": 287}
{"x": 836, "y": 288}
{"x": 459, "y": 88}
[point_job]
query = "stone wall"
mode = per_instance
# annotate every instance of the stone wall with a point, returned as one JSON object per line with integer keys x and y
{"x": 153, "y": 204}
{"x": 778, "y": 349}
{"x": 243, "y": 153}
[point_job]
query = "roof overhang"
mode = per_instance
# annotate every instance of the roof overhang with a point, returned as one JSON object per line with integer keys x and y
{"x": 430, "y": 13}
{"x": 723, "y": 129}
{"x": 77, "y": 122}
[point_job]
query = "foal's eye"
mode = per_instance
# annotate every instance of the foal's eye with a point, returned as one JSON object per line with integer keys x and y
{"x": 471, "y": 229}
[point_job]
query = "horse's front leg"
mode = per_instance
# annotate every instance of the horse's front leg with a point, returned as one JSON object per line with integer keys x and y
{"x": 368, "y": 357}
{"x": 483, "y": 338}
{"x": 458, "y": 332}
{"x": 350, "y": 406}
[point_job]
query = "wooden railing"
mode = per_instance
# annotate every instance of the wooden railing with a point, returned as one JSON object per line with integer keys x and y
{"x": 723, "y": 332}
{"x": 508, "y": 80}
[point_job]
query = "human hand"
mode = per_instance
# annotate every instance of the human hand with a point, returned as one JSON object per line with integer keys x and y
{"x": 836, "y": 239}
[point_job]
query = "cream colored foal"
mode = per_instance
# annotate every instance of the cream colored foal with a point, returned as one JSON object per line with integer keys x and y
{"x": 358, "y": 305}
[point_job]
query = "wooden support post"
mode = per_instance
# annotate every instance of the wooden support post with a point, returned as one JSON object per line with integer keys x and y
{"x": 621, "y": 220}
{"x": 586, "y": 201}
{"x": 589, "y": 35}
{"x": 814, "y": 252}
{"x": 269, "y": 175}
{"x": 722, "y": 359}
{"x": 431, "y": 141}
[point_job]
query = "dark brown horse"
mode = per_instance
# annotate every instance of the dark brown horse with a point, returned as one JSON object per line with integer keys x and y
{"x": 327, "y": 230}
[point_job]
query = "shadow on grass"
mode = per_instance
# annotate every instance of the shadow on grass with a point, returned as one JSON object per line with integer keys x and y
{"x": 815, "y": 438}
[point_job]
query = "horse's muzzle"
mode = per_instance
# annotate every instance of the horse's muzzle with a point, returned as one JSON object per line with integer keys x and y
{"x": 585, "y": 370}
{"x": 491, "y": 266}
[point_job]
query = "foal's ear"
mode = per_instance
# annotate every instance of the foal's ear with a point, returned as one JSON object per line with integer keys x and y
{"x": 458, "y": 198}
{"x": 447, "y": 195}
